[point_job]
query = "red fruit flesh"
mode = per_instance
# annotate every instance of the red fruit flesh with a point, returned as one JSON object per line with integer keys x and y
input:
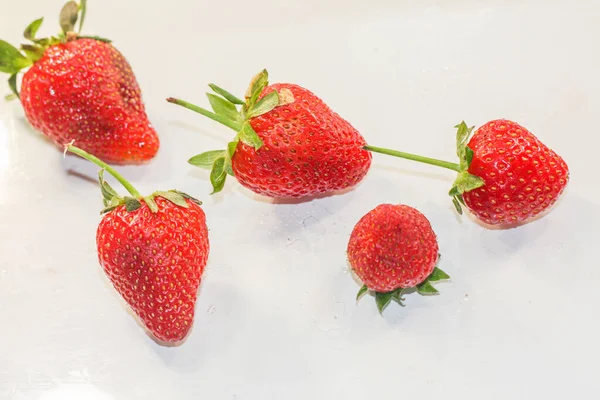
{"x": 85, "y": 90}
{"x": 308, "y": 150}
{"x": 155, "y": 261}
{"x": 391, "y": 247}
{"x": 522, "y": 176}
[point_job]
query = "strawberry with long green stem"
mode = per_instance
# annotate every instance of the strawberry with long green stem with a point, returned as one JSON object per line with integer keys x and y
{"x": 154, "y": 250}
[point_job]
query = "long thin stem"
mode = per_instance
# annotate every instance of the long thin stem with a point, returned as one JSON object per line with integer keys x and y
{"x": 414, "y": 157}
{"x": 76, "y": 150}
{"x": 225, "y": 121}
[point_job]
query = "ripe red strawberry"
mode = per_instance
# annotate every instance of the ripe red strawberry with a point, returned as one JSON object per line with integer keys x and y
{"x": 506, "y": 176}
{"x": 393, "y": 248}
{"x": 289, "y": 142}
{"x": 81, "y": 89}
{"x": 154, "y": 250}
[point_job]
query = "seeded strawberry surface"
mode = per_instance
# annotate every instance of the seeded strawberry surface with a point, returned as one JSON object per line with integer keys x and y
{"x": 522, "y": 176}
{"x": 85, "y": 90}
{"x": 391, "y": 247}
{"x": 308, "y": 150}
{"x": 155, "y": 261}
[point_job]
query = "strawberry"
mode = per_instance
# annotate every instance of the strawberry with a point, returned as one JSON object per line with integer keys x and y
{"x": 289, "y": 143}
{"x": 154, "y": 250}
{"x": 506, "y": 176}
{"x": 393, "y": 248}
{"x": 81, "y": 88}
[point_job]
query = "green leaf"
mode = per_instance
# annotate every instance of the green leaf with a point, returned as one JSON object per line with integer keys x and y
{"x": 34, "y": 53}
{"x": 438, "y": 275}
{"x": 383, "y": 299}
{"x": 460, "y": 199}
{"x": 174, "y": 198}
{"x": 32, "y": 29}
{"x": 231, "y": 147}
{"x": 111, "y": 205}
{"x": 257, "y": 85}
{"x": 466, "y": 182}
{"x": 10, "y": 97}
{"x": 108, "y": 193}
{"x": 207, "y": 159}
{"x": 248, "y": 136}
{"x": 11, "y": 59}
{"x": 397, "y": 296}
{"x": 83, "y": 9}
{"x": 12, "y": 83}
{"x": 132, "y": 204}
{"x": 223, "y": 107}
{"x": 468, "y": 156}
{"x": 149, "y": 200}
{"x": 218, "y": 175}
{"x": 68, "y": 16}
{"x": 187, "y": 196}
{"x": 453, "y": 191}
{"x": 457, "y": 205}
{"x": 98, "y": 38}
{"x": 426, "y": 288}
{"x": 264, "y": 105}
{"x": 364, "y": 289}
{"x": 233, "y": 99}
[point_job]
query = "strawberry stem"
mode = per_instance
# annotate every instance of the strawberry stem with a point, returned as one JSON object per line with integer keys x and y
{"x": 215, "y": 117}
{"x": 414, "y": 157}
{"x": 76, "y": 150}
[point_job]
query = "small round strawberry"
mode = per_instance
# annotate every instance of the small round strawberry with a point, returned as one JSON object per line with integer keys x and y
{"x": 81, "y": 88}
{"x": 154, "y": 250}
{"x": 393, "y": 248}
{"x": 506, "y": 176}
{"x": 289, "y": 144}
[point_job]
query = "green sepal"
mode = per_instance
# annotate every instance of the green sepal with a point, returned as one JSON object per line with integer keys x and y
{"x": 465, "y": 181}
{"x": 383, "y": 300}
{"x": 218, "y": 175}
{"x": 364, "y": 289}
{"x": 223, "y": 107}
{"x": 132, "y": 204}
{"x": 250, "y": 137}
{"x": 426, "y": 288}
{"x": 257, "y": 85}
{"x": 231, "y": 147}
{"x": 11, "y": 59}
{"x": 32, "y": 29}
{"x": 108, "y": 193}
{"x": 264, "y": 105}
{"x": 151, "y": 203}
{"x": 174, "y": 197}
{"x": 438, "y": 275}
{"x": 228, "y": 96}
{"x": 98, "y": 38}
{"x": 114, "y": 203}
{"x": 33, "y": 52}
{"x": 207, "y": 159}
{"x": 12, "y": 84}
{"x": 188, "y": 197}
{"x": 82, "y": 13}
{"x": 397, "y": 296}
{"x": 457, "y": 205}
{"x": 68, "y": 16}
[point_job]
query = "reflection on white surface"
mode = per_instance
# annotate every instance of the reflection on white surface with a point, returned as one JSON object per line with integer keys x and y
{"x": 3, "y": 147}
{"x": 76, "y": 391}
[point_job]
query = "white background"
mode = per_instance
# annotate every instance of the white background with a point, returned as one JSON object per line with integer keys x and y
{"x": 276, "y": 316}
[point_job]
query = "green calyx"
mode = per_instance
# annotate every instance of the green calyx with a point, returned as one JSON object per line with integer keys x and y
{"x": 236, "y": 114}
{"x": 465, "y": 181}
{"x": 112, "y": 199}
{"x": 13, "y": 60}
{"x": 383, "y": 299}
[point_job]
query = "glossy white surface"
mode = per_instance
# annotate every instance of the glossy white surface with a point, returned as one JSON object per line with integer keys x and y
{"x": 276, "y": 316}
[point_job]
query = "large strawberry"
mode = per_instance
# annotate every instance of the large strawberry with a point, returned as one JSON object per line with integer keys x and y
{"x": 289, "y": 143}
{"x": 506, "y": 176}
{"x": 393, "y": 248}
{"x": 81, "y": 88}
{"x": 154, "y": 250}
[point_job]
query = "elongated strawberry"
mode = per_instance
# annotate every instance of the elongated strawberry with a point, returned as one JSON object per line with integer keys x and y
{"x": 154, "y": 250}
{"x": 506, "y": 176}
{"x": 289, "y": 143}
{"x": 393, "y": 248}
{"x": 81, "y": 88}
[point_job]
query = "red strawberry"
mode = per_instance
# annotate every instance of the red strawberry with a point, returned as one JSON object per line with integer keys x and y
{"x": 393, "y": 248}
{"x": 289, "y": 142}
{"x": 506, "y": 176}
{"x": 154, "y": 250}
{"x": 81, "y": 89}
